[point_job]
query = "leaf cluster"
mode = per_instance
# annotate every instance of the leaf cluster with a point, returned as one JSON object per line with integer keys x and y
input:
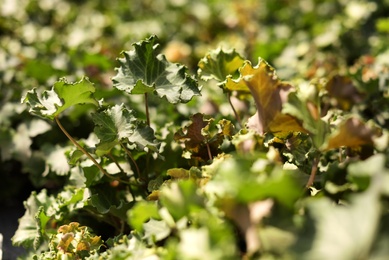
{"x": 185, "y": 152}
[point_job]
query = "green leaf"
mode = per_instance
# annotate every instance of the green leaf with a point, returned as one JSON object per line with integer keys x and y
{"x": 92, "y": 175}
{"x": 214, "y": 239}
{"x": 308, "y": 112}
{"x": 345, "y": 232}
{"x": 245, "y": 180}
{"x": 144, "y": 71}
{"x": 32, "y": 224}
{"x": 181, "y": 199}
{"x": 362, "y": 172}
{"x": 141, "y": 212}
{"x": 62, "y": 96}
{"x": 219, "y": 64}
{"x": 106, "y": 200}
{"x": 118, "y": 124}
{"x": 156, "y": 230}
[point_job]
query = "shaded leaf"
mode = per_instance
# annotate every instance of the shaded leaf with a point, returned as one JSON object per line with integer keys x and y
{"x": 192, "y": 135}
{"x": 106, "y": 200}
{"x": 344, "y": 91}
{"x": 307, "y": 111}
{"x": 201, "y": 138}
{"x": 142, "y": 70}
{"x": 118, "y": 124}
{"x": 63, "y": 95}
{"x": 351, "y": 133}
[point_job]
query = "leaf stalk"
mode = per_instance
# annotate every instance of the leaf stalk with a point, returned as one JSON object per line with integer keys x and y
{"x": 82, "y": 149}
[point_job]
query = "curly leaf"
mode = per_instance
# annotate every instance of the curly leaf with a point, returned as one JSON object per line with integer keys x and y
{"x": 192, "y": 135}
{"x": 219, "y": 64}
{"x": 143, "y": 70}
{"x": 269, "y": 94}
{"x": 308, "y": 112}
{"x": 62, "y": 96}
{"x": 351, "y": 133}
{"x": 118, "y": 124}
{"x": 201, "y": 138}
{"x": 32, "y": 224}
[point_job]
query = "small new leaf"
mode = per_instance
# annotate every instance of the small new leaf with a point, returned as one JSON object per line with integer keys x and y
{"x": 63, "y": 95}
{"x": 142, "y": 71}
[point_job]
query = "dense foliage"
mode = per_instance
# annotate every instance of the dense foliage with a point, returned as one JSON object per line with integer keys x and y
{"x": 239, "y": 130}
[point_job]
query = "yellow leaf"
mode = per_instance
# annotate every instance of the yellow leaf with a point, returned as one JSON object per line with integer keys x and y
{"x": 269, "y": 94}
{"x": 352, "y": 133}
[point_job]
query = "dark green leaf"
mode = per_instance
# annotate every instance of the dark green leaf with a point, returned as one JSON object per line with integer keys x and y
{"x": 118, "y": 124}
{"x": 143, "y": 71}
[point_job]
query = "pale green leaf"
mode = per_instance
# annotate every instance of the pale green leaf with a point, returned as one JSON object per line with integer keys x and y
{"x": 156, "y": 230}
{"x": 218, "y": 64}
{"x": 345, "y": 232}
{"x": 141, "y": 212}
{"x": 181, "y": 198}
{"x": 63, "y": 95}
{"x": 31, "y": 225}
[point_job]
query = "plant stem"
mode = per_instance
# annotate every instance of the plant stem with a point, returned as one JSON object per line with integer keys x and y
{"x": 82, "y": 149}
{"x": 147, "y": 110}
{"x": 234, "y": 110}
{"x": 313, "y": 172}
{"x": 115, "y": 161}
{"x": 132, "y": 158}
{"x": 209, "y": 151}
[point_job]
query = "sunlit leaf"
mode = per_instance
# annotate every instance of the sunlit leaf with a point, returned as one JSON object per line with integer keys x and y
{"x": 218, "y": 64}
{"x": 29, "y": 232}
{"x": 142, "y": 212}
{"x": 269, "y": 94}
{"x": 181, "y": 199}
{"x": 56, "y": 160}
{"x": 63, "y": 95}
{"x": 156, "y": 230}
{"x": 142, "y": 70}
